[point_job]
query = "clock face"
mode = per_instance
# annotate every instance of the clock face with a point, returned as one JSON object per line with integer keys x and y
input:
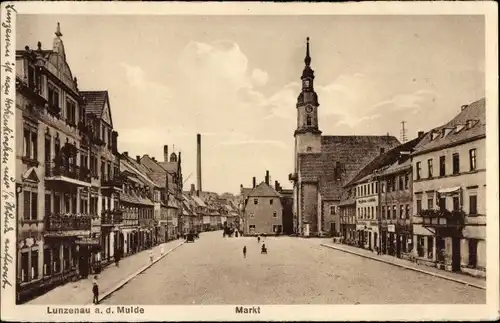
{"x": 309, "y": 109}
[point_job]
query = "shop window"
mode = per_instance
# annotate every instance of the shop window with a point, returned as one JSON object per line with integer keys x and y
{"x": 456, "y": 163}
{"x": 47, "y": 268}
{"x": 473, "y": 252}
{"x": 472, "y": 204}
{"x": 34, "y": 264}
{"x": 25, "y": 267}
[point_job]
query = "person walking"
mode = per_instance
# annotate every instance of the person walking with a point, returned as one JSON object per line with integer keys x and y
{"x": 244, "y": 251}
{"x": 151, "y": 255}
{"x": 95, "y": 290}
{"x": 258, "y": 239}
{"x": 162, "y": 249}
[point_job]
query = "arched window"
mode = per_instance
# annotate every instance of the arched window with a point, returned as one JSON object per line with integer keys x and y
{"x": 308, "y": 120}
{"x": 309, "y": 148}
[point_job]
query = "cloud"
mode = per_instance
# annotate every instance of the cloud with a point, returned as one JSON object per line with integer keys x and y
{"x": 259, "y": 77}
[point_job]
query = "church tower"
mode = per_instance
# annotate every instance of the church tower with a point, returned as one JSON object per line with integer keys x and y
{"x": 307, "y": 135}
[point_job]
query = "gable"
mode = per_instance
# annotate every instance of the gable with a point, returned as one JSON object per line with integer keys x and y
{"x": 106, "y": 113}
{"x": 263, "y": 190}
{"x": 31, "y": 176}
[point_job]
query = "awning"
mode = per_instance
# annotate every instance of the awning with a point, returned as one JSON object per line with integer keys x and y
{"x": 449, "y": 190}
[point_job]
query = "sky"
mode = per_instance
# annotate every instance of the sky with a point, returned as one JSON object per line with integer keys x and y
{"x": 235, "y": 80}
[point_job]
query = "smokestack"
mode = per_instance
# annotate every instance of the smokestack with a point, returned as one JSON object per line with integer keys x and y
{"x": 198, "y": 161}
{"x": 253, "y": 182}
{"x": 267, "y": 177}
{"x": 420, "y": 134}
{"x": 165, "y": 153}
{"x": 276, "y": 185}
{"x": 138, "y": 159}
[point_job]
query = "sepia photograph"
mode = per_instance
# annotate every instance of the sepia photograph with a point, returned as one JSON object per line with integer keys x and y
{"x": 247, "y": 160}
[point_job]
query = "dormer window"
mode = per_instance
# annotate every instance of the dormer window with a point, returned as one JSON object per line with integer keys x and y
{"x": 446, "y": 131}
{"x": 434, "y": 135}
{"x": 459, "y": 127}
{"x": 470, "y": 123}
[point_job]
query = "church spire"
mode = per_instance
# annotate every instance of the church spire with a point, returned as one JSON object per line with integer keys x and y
{"x": 58, "y": 30}
{"x": 307, "y": 60}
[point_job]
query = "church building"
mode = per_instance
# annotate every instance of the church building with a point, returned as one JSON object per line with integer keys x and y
{"x": 323, "y": 164}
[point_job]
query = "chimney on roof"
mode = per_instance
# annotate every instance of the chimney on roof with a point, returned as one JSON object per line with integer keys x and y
{"x": 138, "y": 159}
{"x": 267, "y": 177}
{"x": 165, "y": 153}
{"x": 276, "y": 185}
{"x": 253, "y": 182}
{"x": 125, "y": 153}
{"x": 153, "y": 158}
{"x": 198, "y": 161}
{"x": 114, "y": 141}
{"x": 420, "y": 134}
{"x": 463, "y": 107}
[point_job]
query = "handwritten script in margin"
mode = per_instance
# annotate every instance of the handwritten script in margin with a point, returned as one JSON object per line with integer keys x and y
{"x": 7, "y": 142}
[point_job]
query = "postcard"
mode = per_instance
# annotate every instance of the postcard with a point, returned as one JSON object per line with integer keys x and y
{"x": 248, "y": 161}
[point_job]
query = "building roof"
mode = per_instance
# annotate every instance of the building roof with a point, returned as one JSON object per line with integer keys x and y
{"x": 456, "y": 131}
{"x": 264, "y": 190}
{"x": 385, "y": 159}
{"x": 340, "y": 161}
{"x": 169, "y": 166}
{"x": 136, "y": 168}
{"x": 94, "y": 101}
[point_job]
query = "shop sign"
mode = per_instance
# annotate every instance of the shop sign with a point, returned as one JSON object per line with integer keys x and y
{"x": 372, "y": 199}
{"x": 391, "y": 228}
{"x": 360, "y": 227}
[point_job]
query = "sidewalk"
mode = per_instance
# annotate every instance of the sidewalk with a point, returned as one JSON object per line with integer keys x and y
{"x": 459, "y": 278}
{"x": 110, "y": 279}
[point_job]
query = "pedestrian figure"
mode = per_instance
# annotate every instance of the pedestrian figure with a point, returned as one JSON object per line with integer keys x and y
{"x": 258, "y": 239}
{"x": 244, "y": 251}
{"x": 264, "y": 249}
{"x": 162, "y": 250}
{"x": 151, "y": 255}
{"x": 95, "y": 290}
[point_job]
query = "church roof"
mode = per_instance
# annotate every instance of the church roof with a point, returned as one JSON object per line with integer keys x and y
{"x": 341, "y": 159}
{"x": 458, "y": 132}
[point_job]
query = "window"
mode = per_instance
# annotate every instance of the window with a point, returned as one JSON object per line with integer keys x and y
{"x": 24, "y": 267}
{"x": 332, "y": 209}
{"x": 473, "y": 252}
{"x": 472, "y": 159}
{"x": 47, "y": 268}
{"x": 401, "y": 182}
{"x": 407, "y": 180}
{"x": 30, "y": 205}
{"x": 388, "y": 212}
{"x": 57, "y": 146}
{"x": 442, "y": 203}
{"x": 277, "y": 228}
{"x": 252, "y": 215}
{"x": 382, "y": 187}
{"x": 30, "y": 143}
{"x": 472, "y": 204}
{"x": 271, "y": 201}
{"x": 429, "y": 168}
{"x": 394, "y": 215}
{"x": 401, "y": 211}
{"x": 430, "y": 203}
{"x": 251, "y": 227}
{"x": 419, "y": 206}
{"x": 70, "y": 112}
{"x": 383, "y": 212}
{"x": 53, "y": 96}
{"x": 407, "y": 210}
{"x": 456, "y": 163}
{"x": 255, "y": 201}
{"x": 373, "y": 188}
{"x": 442, "y": 166}
{"x": 275, "y": 214}
{"x": 418, "y": 170}
{"x": 430, "y": 246}
{"x": 456, "y": 203}
{"x": 308, "y": 120}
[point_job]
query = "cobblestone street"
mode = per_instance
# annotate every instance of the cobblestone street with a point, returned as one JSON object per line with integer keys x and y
{"x": 295, "y": 271}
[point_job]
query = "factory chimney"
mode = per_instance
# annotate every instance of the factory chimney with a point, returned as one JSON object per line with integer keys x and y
{"x": 198, "y": 162}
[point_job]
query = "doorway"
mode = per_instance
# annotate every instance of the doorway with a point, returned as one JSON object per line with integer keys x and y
{"x": 455, "y": 254}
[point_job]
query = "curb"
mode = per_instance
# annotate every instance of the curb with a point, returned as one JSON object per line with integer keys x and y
{"x": 408, "y": 267}
{"x": 132, "y": 276}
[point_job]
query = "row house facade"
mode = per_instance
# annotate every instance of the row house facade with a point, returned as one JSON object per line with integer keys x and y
{"x": 449, "y": 193}
{"x": 57, "y": 206}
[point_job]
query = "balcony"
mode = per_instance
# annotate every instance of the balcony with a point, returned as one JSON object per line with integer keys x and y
{"x": 115, "y": 182}
{"x": 66, "y": 225}
{"x": 71, "y": 174}
{"x": 111, "y": 217}
{"x": 443, "y": 218}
